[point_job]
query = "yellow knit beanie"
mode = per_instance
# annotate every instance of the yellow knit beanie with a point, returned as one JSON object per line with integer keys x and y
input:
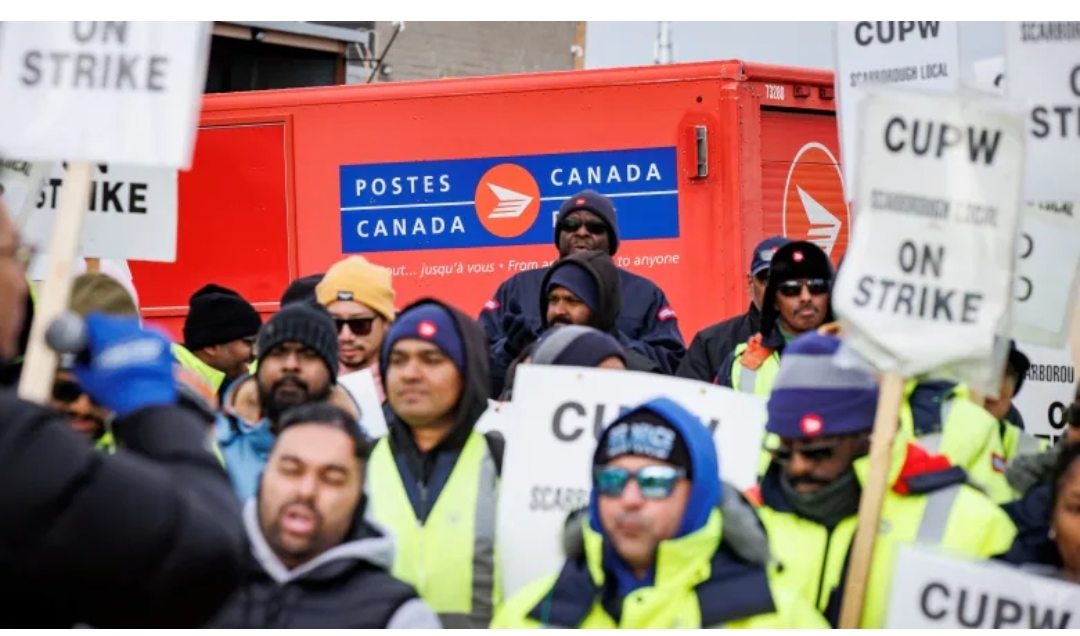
{"x": 359, "y": 280}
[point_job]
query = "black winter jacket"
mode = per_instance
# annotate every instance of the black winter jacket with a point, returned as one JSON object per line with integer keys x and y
{"x": 347, "y": 587}
{"x": 150, "y": 537}
{"x": 712, "y": 345}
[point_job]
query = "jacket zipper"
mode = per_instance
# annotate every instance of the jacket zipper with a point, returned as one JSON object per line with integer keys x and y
{"x": 421, "y": 575}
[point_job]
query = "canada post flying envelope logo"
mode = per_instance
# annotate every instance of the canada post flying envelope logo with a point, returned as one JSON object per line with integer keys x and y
{"x": 504, "y": 201}
{"x": 813, "y": 205}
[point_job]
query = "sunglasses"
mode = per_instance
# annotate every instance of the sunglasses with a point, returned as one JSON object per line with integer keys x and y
{"x": 762, "y": 276}
{"x": 66, "y": 391}
{"x": 573, "y": 224}
{"x": 815, "y": 454}
{"x": 655, "y": 482}
{"x": 358, "y": 326}
{"x": 792, "y": 288}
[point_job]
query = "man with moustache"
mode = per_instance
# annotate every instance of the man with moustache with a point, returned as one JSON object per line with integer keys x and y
{"x": 298, "y": 363}
{"x": 585, "y": 222}
{"x": 796, "y": 301}
{"x": 360, "y": 298}
{"x": 316, "y": 562}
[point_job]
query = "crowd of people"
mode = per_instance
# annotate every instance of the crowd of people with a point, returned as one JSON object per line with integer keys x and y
{"x": 228, "y": 480}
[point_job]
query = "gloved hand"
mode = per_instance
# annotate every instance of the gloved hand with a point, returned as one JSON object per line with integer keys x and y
{"x": 520, "y": 331}
{"x": 131, "y": 366}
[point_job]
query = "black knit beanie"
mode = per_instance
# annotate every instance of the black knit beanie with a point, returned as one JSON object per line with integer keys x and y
{"x": 301, "y": 289}
{"x": 308, "y": 325}
{"x": 217, "y": 315}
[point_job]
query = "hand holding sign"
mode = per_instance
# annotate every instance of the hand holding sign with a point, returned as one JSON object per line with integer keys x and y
{"x": 124, "y": 92}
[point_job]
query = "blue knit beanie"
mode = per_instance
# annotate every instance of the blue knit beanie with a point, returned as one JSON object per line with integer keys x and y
{"x": 813, "y": 397}
{"x": 430, "y": 322}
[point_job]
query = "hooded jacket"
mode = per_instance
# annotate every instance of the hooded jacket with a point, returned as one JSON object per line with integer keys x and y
{"x": 645, "y": 318}
{"x": 346, "y": 587}
{"x": 701, "y": 578}
{"x": 782, "y": 269}
{"x": 420, "y": 467}
{"x": 609, "y": 303}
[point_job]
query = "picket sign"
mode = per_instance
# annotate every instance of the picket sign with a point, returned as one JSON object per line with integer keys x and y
{"x": 933, "y": 590}
{"x": 1045, "y": 287}
{"x": 551, "y": 429}
{"x": 19, "y": 181}
{"x": 361, "y": 385}
{"x": 1048, "y": 390}
{"x": 133, "y": 213}
{"x": 1040, "y": 66}
{"x": 496, "y": 419}
{"x": 1048, "y": 264}
{"x": 93, "y": 92}
{"x": 918, "y": 55}
{"x": 925, "y": 285}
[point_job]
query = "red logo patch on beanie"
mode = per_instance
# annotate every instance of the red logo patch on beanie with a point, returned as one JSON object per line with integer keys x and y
{"x": 797, "y": 256}
{"x": 579, "y": 202}
{"x": 811, "y": 425}
{"x": 427, "y": 329}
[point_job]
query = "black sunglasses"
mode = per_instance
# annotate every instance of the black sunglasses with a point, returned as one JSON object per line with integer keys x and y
{"x": 66, "y": 391}
{"x": 792, "y": 288}
{"x": 816, "y": 453}
{"x": 762, "y": 276}
{"x": 573, "y": 224}
{"x": 358, "y": 326}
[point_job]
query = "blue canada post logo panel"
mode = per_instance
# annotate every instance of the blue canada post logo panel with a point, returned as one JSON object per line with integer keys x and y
{"x": 498, "y": 201}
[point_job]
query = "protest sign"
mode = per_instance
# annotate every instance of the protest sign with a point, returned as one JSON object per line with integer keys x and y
{"x": 19, "y": 181}
{"x": 1042, "y": 65}
{"x": 557, "y": 414}
{"x": 361, "y": 385}
{"x": 132, "y": 213}
{"x": 1048, "y": 261}
{"x": 921, "y": 55}
{"x": 124, "y": 92}
{"x": 1047, "y": 391}
{"x": 927, "y": 279}
{"x": 935, "y": 591}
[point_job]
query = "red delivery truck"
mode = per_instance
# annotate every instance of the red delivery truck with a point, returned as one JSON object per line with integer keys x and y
{"x": 453, "y": 184}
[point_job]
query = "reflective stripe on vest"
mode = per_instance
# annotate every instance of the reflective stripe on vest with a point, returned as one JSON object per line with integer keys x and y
{"x": 747, "y": 380}
{"x": 450, "y": 558}
{"x": 935, "y": 519}
{"x": 932, "y": 442}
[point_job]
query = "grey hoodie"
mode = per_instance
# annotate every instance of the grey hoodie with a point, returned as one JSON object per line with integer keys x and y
{"x": 352, "y": 577}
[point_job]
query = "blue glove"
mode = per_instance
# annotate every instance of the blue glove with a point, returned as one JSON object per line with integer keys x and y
{"x": 131, "y": 366}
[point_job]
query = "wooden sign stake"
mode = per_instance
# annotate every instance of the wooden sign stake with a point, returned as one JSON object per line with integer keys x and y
{"x": 891, "y": 395}
{"x": 39, "y": 365}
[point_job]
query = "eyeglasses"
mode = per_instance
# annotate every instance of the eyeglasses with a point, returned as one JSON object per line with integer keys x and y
{"x": 573, "y": 224}
{"x": 762, "y": 276}
{"x": 792, "y": 288}
{"x": 66, "y": 391}
{"x": 358, "y": 326}
{"x": 816, "y": 453}
{"x": 655, "y": 482}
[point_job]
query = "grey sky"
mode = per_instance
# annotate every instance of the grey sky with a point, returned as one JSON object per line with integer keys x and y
{"x": 807, "y": 44}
